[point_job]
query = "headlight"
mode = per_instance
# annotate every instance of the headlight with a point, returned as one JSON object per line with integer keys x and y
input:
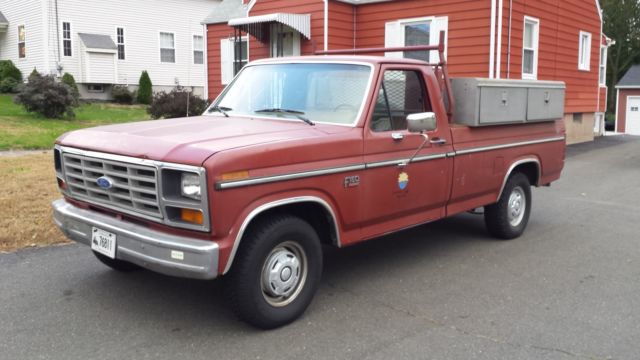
{"x": 190, "y": 186}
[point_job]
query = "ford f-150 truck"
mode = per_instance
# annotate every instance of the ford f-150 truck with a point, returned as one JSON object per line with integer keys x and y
{"x": 297, "y": 153}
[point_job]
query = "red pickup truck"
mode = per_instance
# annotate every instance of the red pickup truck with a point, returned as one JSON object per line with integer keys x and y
{"x": 302, "y": 152}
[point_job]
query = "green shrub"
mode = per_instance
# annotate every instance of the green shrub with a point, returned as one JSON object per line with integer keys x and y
{"x": 9, "y": 70}
{"x": 44, "y": 96}
{"x": 71, "y": 82}
{"x": 122, "y": 94}
{"x": 34, "y": 75}
{"x": 145, "y": 92}
{"x": 8, "y": 85}
{"x": 174, "y": 104}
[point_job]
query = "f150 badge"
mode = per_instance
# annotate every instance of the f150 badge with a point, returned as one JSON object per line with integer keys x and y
{"x": 351, "y": 181}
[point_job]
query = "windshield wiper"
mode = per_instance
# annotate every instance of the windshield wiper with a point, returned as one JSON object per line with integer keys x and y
{"x": 295, "y": 113}
{"x": 221, "y": 109}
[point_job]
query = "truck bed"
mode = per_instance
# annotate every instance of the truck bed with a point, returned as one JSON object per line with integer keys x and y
{"x": 483, "y": 156}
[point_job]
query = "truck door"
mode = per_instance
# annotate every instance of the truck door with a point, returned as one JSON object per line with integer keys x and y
{"x": 396, "y": 196}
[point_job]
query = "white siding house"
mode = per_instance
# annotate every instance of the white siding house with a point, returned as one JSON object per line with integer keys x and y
{"x": 102, "y": 43}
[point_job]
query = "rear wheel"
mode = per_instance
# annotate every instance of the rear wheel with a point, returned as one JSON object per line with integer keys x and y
{"x": 508, "y": 218}
{"x": 116, "y": 264}
{"x": 276, "y": 272}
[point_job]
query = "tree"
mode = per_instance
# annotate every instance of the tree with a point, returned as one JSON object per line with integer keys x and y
{"x": 71, "y": 82}
{"x": 35, "y": 75}
{"x": 622, "y": 24}
{"x": 144, "y": 89}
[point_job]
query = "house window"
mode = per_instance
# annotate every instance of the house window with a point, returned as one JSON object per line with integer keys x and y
{"x": 234, "y": 56}
{"x": 577, "y": 118}
{"x": 603, "y": 65}
{"x": 198, "y": 49}
{"x": 241, "y": 55}
{"x": 95, "y": 88}
{"x": 530, "y": 37}
{"x": 584, "y": 55}
{"x": 167, "y": 47}
{"x": 415, "y": 32}
{"x": 120, "y": 43}
{"x": 22, "y": 42}
{"x": 66, "y": 39}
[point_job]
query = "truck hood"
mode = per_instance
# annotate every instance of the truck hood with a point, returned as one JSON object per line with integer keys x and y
{"x": 190, "y": 140}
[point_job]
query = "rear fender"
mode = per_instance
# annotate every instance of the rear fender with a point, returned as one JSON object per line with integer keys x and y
{"x": 527, "y": 160}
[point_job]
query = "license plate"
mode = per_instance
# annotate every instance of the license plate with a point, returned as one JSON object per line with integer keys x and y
{"x": 103, "y": 242}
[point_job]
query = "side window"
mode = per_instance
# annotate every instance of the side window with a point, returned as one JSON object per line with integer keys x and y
{"x": 401, "y": 93}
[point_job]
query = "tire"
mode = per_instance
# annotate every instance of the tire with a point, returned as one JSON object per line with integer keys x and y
{"x": 116, "y": 264}
{"x": 508, "y": 218}
{"x": 269, "y": 299}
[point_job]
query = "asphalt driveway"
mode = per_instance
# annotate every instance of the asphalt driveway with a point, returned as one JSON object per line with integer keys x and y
{"x": 569, "y": 288}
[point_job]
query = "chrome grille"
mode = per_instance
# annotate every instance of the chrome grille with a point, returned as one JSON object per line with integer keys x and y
{"x": 135, "y": 187}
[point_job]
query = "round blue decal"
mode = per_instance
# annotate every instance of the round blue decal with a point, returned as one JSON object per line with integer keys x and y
{"x": 104, "y": 182}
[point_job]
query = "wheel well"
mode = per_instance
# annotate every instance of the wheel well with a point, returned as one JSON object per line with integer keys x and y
{"x": 530, "y": 169}
{"x": 314, "y": 213}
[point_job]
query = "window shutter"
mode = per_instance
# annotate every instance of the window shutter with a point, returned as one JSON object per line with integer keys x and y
{"x": 226, "y": 61}
{"x": 439, "y": 24}
{"x": 393, "y": 38}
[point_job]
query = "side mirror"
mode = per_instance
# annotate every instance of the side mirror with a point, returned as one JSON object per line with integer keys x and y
{"x": 421, "y": 122}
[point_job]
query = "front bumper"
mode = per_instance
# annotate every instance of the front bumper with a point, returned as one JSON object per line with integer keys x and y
{"x": 140, "y": 245}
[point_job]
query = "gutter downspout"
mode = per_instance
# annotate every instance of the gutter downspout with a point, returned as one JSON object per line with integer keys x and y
{"x": 57, "y": 34}
{"x": 492, "y": 43}
{"x": 205, "y": 90}
{"x": 599, "y": 88}
{"x": 509, "y": 40}
{"x": 499, "y": 47}
{"x": 47, "y": 39}
{"x": 355, "y": 24}
{"x": 326, "y": 25}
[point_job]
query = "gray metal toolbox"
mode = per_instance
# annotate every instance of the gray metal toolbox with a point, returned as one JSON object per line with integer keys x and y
{"x": 483, "y": 102}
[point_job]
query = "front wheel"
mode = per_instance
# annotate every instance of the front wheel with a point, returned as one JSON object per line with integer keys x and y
{"x": 276, "y": 272}
{"x": 508, "y": 218}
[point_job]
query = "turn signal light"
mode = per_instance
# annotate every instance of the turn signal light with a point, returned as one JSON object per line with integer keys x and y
{"x": 237, "y": 175}
{"x": 191, "y": 216}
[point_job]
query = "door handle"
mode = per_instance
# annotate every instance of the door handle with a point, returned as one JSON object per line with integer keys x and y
{"x": 438, "y": 141}
{"x": 397, "y": 136}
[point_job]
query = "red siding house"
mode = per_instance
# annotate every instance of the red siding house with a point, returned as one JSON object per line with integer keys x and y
{"x": 628, "y": 103}
{"x": 507, "y": 39}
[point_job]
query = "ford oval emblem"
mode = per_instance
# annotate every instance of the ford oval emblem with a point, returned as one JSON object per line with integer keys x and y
{"x": 104, "y": 182}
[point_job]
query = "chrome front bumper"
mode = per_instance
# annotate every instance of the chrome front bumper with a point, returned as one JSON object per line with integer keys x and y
{"x": 151, "y": 249}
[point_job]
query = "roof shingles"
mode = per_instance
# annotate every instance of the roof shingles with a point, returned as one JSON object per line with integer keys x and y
{"x": 226, "y": 10}
{"x": 631, "y": 78}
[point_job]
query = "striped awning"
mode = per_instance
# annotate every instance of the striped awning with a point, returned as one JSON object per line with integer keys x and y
{"x": 255, "y": 25}
{"x": 4, "y": 23}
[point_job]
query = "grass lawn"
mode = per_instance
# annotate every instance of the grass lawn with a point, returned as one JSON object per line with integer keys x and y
{"x": 29, "y": 186}
{"x": 21, "y": 130}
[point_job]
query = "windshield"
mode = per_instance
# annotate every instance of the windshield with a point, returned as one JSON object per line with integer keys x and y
{"x": 318, "y": 92}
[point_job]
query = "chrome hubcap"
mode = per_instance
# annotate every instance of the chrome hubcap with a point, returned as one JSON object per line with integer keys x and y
{"x": 284, "y": 273}
{"x": 517, "y": 205}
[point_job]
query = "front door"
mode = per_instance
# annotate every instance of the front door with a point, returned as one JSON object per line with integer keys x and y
{"x": 633, "y": 115}
{"x": 398, "y": 196}
{"x": 284, "y": 41}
